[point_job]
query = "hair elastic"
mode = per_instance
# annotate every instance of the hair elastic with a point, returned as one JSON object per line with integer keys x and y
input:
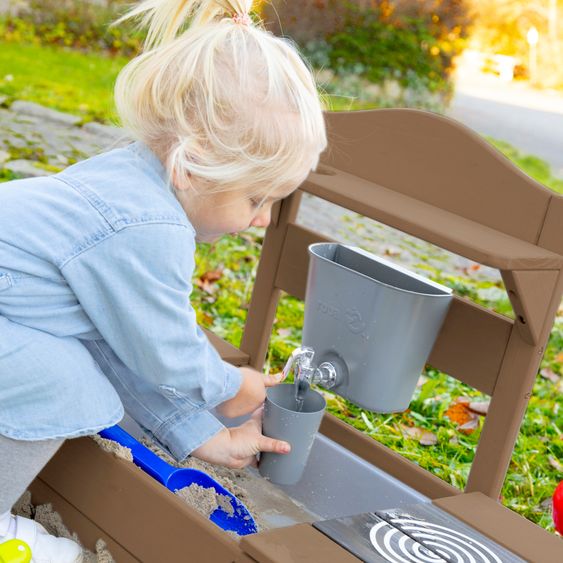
{"x": 243, "y": 19}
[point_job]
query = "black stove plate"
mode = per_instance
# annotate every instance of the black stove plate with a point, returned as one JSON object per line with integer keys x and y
{"x": 418, "y": 533}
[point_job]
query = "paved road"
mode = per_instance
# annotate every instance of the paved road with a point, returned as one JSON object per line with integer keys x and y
{"x": 531, "y": 121}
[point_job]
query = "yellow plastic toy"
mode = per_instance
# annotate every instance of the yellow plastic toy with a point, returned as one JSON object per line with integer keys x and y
{"x": 15, "y": 551}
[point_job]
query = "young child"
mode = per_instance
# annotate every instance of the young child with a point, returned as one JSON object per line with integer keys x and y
{"x": 96, "y": 261}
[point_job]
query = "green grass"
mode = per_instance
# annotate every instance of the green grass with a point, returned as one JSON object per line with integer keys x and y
{"x": 69, "y": 81}
{"x": 82, "y": 84}
{"x": 533, "y": 166}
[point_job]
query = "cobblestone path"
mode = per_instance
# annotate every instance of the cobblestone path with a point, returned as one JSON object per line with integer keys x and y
{"x": 37, "y": 141}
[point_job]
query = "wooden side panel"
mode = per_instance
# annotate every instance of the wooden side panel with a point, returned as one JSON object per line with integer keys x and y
{"x": 439, "y": 161}
{"x": 384, "y": 458}
{"x": 530, "y": 294}
{"x": 508, "y": 406}
{"x": 471, "y": 344}
{"x": 146, "y": 519}
{"x": 295, "y": 543}
{"x": 507, "y": 528}
{"x": 87, "y": 531}
{"x": 265, "y": 295}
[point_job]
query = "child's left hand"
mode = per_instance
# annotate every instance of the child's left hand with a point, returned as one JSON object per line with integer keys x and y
{"x": 251, "y": 394}
{"x": 237, "y": 447}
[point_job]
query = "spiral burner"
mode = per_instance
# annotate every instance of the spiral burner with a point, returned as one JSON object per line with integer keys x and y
{"x": 418, "y": 541}
{"x": 421, "y": 533}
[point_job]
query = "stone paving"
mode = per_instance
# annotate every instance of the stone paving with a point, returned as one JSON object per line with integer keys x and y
{"x": 37, "y": 141}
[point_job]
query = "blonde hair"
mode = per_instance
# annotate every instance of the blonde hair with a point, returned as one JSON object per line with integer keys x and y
{"x": 227, "y": 102}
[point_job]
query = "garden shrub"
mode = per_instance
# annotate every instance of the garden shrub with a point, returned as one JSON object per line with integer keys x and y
{"x": 385, "y": 53}
{"x": 381, "y": 62}
{"x": 378, "y": 50}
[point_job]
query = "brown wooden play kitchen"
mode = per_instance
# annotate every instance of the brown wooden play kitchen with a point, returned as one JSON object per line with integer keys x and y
{"x": 434, "y": 179}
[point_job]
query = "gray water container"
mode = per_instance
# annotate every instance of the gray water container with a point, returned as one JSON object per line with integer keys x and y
{"x": 376, "y": 321}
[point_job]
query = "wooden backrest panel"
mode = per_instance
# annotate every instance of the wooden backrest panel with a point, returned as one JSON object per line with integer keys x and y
{"x": 438, "y": 161}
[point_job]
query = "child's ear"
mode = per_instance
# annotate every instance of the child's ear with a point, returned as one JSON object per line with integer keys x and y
{"x": 182, "y": 181}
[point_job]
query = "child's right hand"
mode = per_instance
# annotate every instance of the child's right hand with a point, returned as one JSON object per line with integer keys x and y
{"x": 251, "y": 394}
{"x": 237, "y": 447}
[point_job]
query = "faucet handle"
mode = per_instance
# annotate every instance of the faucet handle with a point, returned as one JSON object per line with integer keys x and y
{"x": 302, "y": 356}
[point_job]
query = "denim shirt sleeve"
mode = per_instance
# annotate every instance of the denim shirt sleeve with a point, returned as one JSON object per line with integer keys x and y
{"x": 135, "y": 286}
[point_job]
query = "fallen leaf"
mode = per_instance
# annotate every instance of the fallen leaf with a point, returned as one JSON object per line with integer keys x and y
{"x": 465, "y": 400}
{"x": 555, "y": 463}
{"x": 207, "y": 287}
{"x": 391, "y": 251}
{"x": 480, "y": 407}
{"x": 428, "y": 439}
{"x": 459, "y": 412}
{"x": 206, "y": 282}
{"x": 467, "y": 270}
{"x": 284, "y": 331}
{"x": 548, "y": 373}
{"x": 211, "y": 276}
{"x": 559, "y": 358}
{"x": 411, "y": 431}
{"x": 470, "y": 425}
{"x": 424, "y": 437}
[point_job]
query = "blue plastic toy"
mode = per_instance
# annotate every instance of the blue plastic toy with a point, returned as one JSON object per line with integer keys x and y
{"x": 239, "y": 521}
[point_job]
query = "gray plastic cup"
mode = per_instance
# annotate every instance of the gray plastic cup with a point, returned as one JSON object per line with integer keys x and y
{"x": 283, "y": 422}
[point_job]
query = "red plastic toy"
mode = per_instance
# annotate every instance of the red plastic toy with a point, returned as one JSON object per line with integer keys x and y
{"x": 558, "y": 508}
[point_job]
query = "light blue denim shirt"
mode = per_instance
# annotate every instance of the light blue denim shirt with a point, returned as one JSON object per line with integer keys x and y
{"x": 103, "y": 253}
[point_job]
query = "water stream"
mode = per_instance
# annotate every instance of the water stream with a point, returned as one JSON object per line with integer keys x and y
{"x": 301, "y": 388}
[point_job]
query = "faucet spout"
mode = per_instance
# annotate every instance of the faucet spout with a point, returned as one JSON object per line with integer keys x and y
{"x": 305, "y": 373}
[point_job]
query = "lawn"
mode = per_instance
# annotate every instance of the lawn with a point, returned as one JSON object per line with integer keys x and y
{"x": 65, "y": 80}
{"x": 82, "y": 83}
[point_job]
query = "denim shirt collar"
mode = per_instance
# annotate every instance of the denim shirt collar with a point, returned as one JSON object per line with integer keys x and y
{"x": 155, "y": 166}
{"x": 150, "y": 158}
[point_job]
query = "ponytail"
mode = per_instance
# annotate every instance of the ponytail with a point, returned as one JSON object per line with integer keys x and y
{"x": 220, "y": 97}
{"x": 164, "y": 18}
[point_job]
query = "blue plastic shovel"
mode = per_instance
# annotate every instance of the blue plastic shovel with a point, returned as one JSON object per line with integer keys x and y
{"x": 239, "y": 521}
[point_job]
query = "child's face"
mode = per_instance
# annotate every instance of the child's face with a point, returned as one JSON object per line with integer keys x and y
{"x": 217, "y": 214}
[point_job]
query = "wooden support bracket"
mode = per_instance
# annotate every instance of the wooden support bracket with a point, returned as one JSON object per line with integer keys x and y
{"x": 530, "y": 293}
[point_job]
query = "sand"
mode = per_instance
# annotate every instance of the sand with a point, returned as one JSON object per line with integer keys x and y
{"x": 53, "y": 523}
{"x": 113, "y": 447}
{"x": 205, "y": 500}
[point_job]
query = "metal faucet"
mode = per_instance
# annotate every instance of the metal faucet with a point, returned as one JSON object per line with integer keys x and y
{"x": 306, "y": 374}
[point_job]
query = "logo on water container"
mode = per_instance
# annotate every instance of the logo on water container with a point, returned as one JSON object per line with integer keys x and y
{"x": 329, "y": 310}
{"x": 354, "y": 321}
{"x": 352, "y": 318}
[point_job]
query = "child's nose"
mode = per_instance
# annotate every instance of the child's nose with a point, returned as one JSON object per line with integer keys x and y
{"x": 262, "y": 219}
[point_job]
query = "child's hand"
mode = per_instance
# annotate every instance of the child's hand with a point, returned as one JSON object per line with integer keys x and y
{"x": 251, "y": 394}
{"x": 237, "y": 447}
